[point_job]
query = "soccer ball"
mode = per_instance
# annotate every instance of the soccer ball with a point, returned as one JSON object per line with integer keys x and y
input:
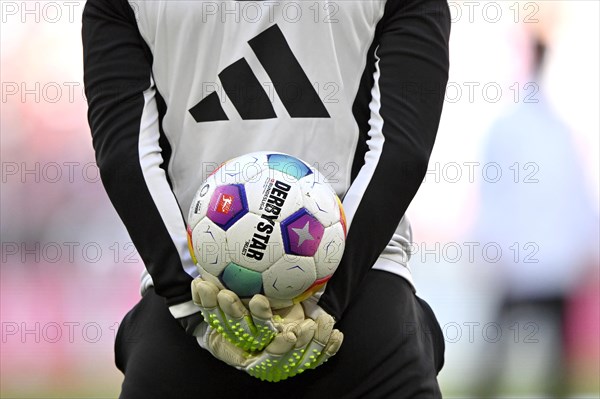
{"x": 267, "y": 223}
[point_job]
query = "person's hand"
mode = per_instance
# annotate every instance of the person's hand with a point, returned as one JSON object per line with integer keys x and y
{"x": 268, "y": 346}
{"x": 225, "y": 313}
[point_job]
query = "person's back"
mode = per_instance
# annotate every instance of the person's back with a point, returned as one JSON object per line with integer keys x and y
{"x": 355, "y": 88}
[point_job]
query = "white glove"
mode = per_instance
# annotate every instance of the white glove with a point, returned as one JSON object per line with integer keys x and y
{"x": 266, "y": 346}
{"x": 225, "y": 313}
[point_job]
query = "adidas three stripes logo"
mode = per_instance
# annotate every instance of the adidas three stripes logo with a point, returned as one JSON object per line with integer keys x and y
{"x": 249, "y": 97}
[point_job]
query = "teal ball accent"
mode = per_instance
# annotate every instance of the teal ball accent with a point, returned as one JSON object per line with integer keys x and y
{"x": 244, "y": 282}
{"x": 289, "y": 165}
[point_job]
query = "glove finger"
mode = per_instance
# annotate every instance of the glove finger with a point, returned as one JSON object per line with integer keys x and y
{"x": 242, "y": 330}
{"x": 334, "y": 344}
{"x": 291, "y": 313}
{"x": 281, "y": 344}
{"x": 225, "y": 351}
{"x": 262, "y": 315}
{"x": 305, "y": 331}
{"x": 303, "y": 357}
{"x": 305, "y": 351}
{"x": 260, "y": 308}
{"x": 225, "y": 313}
{"x": 195, "y": 294}
{"x": 324, "y": 328}
{"x": 314, "y": 353}
{"x": 319, "y": 356}
{"x": 275, "y": 362}
{"x": 231, "y": 305}
{"x": 206, "y": 293}
{"x": 255, "y": 330}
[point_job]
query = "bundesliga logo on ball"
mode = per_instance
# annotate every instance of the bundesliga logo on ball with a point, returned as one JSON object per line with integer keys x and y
{"x": 267, "y": 223}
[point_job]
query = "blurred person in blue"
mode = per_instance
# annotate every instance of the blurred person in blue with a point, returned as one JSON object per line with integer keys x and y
{"x": 540, "y": 214}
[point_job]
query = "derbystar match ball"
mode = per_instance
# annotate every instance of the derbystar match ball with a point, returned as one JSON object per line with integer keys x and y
{"x": 267, "y": 223}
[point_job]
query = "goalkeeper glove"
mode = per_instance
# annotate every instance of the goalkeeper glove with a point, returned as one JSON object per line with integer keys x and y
{"x": 225, "y": 313}
{"x": 234, "y": 335}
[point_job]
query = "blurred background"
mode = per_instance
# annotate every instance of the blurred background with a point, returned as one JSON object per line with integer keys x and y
{"x": 505, "y": 225}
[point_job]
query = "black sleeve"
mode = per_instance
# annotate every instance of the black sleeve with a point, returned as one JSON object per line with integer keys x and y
{"x": 131, "y": 149}
{"x": 409, "y": 72}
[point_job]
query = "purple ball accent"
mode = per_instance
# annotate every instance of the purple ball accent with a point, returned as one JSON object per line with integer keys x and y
{"x": 227, "y": 205}
{"x": 302, "y": 233}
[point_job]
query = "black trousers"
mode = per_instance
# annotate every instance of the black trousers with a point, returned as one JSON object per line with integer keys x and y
{"x": 393, "y": 348}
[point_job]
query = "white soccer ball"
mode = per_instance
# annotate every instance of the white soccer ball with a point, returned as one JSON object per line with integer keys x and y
{"x": 267, "y": 223}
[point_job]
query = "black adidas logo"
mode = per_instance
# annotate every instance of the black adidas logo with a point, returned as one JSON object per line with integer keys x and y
{"x": 249, "y": 97}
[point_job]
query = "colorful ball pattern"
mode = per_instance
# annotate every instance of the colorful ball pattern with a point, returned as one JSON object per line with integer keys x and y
{"x": 267, "y": 223}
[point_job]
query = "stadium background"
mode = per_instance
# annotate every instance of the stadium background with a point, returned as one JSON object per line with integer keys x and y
{"x": 69, "y": 272}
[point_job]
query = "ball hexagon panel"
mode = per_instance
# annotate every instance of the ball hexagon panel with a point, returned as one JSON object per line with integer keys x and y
{"x": 289, "y": 277}
{"x": 200, "y": 202}
{"x": 330, "y": 251}
{"x": 227, "y": 205}
{"x": 289, "y": 165}
{"x": 255, "y": 243}
{"x": 321, "y": 201}
{"x": 209, "y": 244}
{"x": 273, "y": 195}
{"x": 302, "y": 233}
{"x": 244, "y": 282}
